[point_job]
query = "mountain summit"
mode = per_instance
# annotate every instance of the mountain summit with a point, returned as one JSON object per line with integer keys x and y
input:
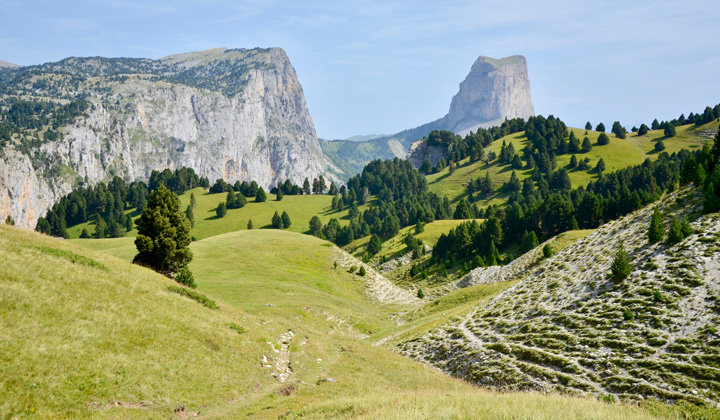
{"x": 236, "y": 114}
{"x": 495, "y": 89}
{"x": 492, "y": 91}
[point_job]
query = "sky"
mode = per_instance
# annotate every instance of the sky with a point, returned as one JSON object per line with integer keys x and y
{"x": 383, "y": 66}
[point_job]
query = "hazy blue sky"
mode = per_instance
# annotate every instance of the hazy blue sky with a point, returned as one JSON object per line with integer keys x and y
{"x": 383, "y": 66}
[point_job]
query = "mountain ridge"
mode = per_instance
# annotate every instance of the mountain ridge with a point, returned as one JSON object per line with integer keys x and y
{"x": 236, "y": 114}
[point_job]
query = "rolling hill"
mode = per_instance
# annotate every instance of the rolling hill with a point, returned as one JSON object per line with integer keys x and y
{"x": 86, "y": 335}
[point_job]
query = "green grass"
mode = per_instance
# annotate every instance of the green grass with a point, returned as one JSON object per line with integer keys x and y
{"x": 618, "y": 154}
{"x": 300, "y": 208}
{"x": 395, "y": 246}
{"x": 76, "y": 339}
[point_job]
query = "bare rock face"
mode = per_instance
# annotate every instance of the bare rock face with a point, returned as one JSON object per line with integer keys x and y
{"x": 492, "y": 91}
{"x": 421, "y": 150}
{"x": 230, "y": 114}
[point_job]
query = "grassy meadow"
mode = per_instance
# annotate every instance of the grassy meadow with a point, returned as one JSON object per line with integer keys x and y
{"x": 300, "y": 208}
{"x": 617, "y": 154}
{"x": 87, "y": 335}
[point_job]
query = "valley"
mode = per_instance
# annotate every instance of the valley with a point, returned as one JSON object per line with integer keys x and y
{"x": 198, "y": 252}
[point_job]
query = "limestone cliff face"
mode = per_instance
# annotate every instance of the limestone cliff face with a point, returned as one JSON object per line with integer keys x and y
{"x": 492, "y": 91}
{"x": 257, "y": 128}
{"x": 495, "y": 89}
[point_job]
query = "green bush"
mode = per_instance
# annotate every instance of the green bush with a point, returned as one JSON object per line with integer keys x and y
{"x": 185, "y": 276}
{"x": 362, "y": 272}
{"x": 237, "y": 328}
{"x": 199, "y": 297}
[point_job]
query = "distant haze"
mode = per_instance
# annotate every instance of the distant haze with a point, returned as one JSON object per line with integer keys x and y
{"x": 381, "y": 67}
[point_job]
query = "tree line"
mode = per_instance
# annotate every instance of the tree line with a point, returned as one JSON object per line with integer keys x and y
{"x": 107, "y": 203}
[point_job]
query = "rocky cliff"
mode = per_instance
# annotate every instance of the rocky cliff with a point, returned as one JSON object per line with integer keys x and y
{"x": 495, "y": 89}
{"x": 492, "y": 91}
{"x": 231, "y": 114}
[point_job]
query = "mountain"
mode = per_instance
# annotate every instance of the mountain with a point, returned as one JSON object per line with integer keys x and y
{"x": 235, "y": 114}
{"x": 567, "y": 326}
{"x": 5, "y": 64}
{"x": 495, "y": 89}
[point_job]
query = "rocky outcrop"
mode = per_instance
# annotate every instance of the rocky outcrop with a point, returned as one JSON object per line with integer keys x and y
{"x": 493, "y": 91}
{"x": 231, "y": 114}
{"x": 421, "y": 150}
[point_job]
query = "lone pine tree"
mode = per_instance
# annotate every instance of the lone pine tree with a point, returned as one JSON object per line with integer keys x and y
{"x": 163, "y": 234}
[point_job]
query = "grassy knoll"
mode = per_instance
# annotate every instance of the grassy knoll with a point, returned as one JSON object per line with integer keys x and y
{"x": 301, "y": 209}
{"x": 618, "y": 154}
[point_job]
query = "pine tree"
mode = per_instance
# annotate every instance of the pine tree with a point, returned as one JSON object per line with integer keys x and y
{"x": 420, "y": 294}
{"x": 374, "y": 245}
{"x": 586, "y": 145}
{"x": 250, "y": 224}
{"x": 100, "y": 227}
{"x": 261, "y": 196}
{"x": 675, "y": 234}
{"x": 306, "y": 187}
{"x": 190, "y": 216}
{"x": 362, "y": 271}
{"x": 315, "y": 225}
{"x": 600, "y": 167}
{"x": 285, "y": 220}
{"x": 279, "y": 195}
{"x": 9, "y": 221}
{"x": 129, "y": 223}
{"x": 573, "y": 162}
{"x": 656, "y": 231}
{"x": 277, "y": 221}
{"x": 603, "y": 139}
{"x": 84, "y": 234}
{"x": 588, "y": 126}
{"x": 221, "y": 210}
{"x": 621, "y": 267}
{"x": 193, "y": 201}
{"x": 163, "y": 234}
{"x": 600, "y": 127}
{"x": 530, "y": 241}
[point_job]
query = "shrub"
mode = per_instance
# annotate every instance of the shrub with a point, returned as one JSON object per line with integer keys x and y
{"x": 185, "y": 276}
{"x": 237, "y": 328}
{"x": 199, "y": 297}
{"x": 420, "y": 294}
{"x": 547, "y": 251}
{"x": 362, "y": 272}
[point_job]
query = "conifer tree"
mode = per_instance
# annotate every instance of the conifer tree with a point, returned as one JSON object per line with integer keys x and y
{"x": 586, "y": 145}
{"x": 277, "y": 221}
{"x": 193, "y": 201}
{"x": 621, "y": 267}
{"x": 190, "y": 216}
{"x": 315, "y": 225}
{"x": 261, "y": 196}
{"x": 374, "y": 245}
{"x": 656, "y": 231}
{"x": 675, "y": 234}
{"x": 588, "y": 126}
{"x": 285, "y": 220}
{"x": 279, "y": 195}
{"x": 250, "y": 224}
{"x": 163, "y": 234}
{"x": 84, "y": 234}
{"x": 306, "y": 187}
{"x": 221, "y": 210}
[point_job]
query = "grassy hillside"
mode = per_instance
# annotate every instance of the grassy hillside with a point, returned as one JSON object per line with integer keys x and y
{"x": 618, "y": 154}
{"x": 85, "y": 335}
{"x": 568, "y": 326}
{"x": 301, "y": 209}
